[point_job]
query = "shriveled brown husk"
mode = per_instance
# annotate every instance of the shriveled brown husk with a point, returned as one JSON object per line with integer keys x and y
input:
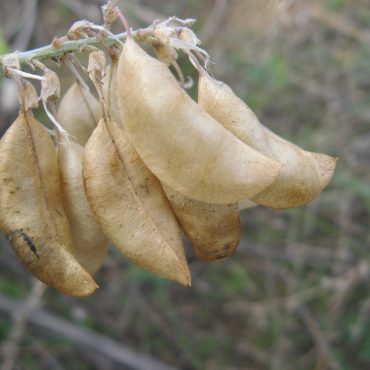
{"x": 32, "y": 213}
{"x": 179, "y": 142}
{"x": 303, "y": 175}
{"x": 213, "y": 229}
{"x": 130, "y": 205}
{"x": 90, "y": 244}
{"x": 79, "y": 113}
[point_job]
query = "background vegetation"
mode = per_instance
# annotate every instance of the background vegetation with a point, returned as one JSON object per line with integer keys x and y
{"x": 296, "y": 294}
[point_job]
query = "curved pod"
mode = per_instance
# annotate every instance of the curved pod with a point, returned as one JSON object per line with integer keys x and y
{"x": 179, "y": 142}
{"x": 90, "y": 244}
{"x": 32, "y": 212}
{"x": 213, "y": 229}
{"x": 79, "y": 113}
{"x": 303, "y": 175}
{"x": 130, "y": 205}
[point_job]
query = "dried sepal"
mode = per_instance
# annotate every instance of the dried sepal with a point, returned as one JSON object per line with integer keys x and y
{"x": 97, "y": 63}
{"x": 30, "y": 98}
{"x": 79, "y": 30}
{"x": 90, "y": 244}
{"x": 213, "y": 229}
{"x": 173, "y": 34}
{"x": 180, "y": 143}
{"x": 303, "y": 175}
{"x": 32, "y": 213}
{"x": 50, "y": 87}
{"x": 130, "y": 205}
{"x": 109, "y": 13}
{"x": 165, "y": 53}
{"x": 10, "y": 61}
{"x": 79, "y": 113}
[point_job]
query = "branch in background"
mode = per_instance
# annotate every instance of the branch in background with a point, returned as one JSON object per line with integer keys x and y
{"x": 85, "y": 338}
{"x": 214, "y": 20}
{"x": 28, "y": 22}
{"x": 143, "y": 13}
{"x": 292, "y": 302}
{"x": 82, "y": 10}
{"x": 22, "y": 311}
{"x": 338, "y": 23}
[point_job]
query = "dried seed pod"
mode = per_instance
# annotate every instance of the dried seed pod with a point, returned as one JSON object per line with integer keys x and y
{"x": 79, "y": 113}
{"x": 246, "y": 204}
{"x": 130, "y": 205}
{"x": 32, "y": 212}
{"x": 90, "y": 244}
{"x": 110, "y": 91}
{"x": 303, "y": 175}
{"x": 180, "y": 143}
{"x": 213, "y": 229}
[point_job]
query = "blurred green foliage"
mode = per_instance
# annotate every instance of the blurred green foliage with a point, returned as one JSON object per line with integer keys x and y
{"x": 3, "y": 44}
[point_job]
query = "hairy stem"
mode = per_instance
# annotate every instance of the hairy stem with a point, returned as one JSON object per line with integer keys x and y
{"x": 73, "y": 46}
{"x": 59, "y": 48}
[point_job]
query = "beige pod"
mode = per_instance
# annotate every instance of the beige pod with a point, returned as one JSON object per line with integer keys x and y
{"x": 179, "y": 142}
{"x": 303, "y": 175}
{"x": 90, "y": 244}
{"x": 213, "y": 229}
{"x": 32, "y": 213}
{"x": 110, "y": 91}
{"x": 130, "y": 205}
{"x": 246, "y": 204}
{"x": 79, "y": 113}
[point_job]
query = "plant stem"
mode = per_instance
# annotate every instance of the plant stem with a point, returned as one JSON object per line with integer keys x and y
{"x": 55, "y": 51}
{"x": 51, "y": 52}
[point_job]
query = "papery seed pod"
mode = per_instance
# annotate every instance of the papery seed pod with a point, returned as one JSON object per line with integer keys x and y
{"x": 79, "y": 113}
{"x": 246, "y": 204}
{"x": 130, "y": 205}
{"x": 32, "y": 213}
{"x": 303, "y": 175}
{"x": 110, "y": 91}
{"x": 213, "y": 229}
{"x": 90, "y": 244}
{"x": 180, "y": 143}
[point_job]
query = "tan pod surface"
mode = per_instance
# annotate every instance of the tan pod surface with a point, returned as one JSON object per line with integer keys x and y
{"x": 79, "y": 112}
{"x": 90, "y": 244}
{"x": 213, "y": 229}
{"x": 178, "y": 141}
{"x": 130, "y": 205}
{"x": 32, "y": 212}
{"x": 303, "y": 175}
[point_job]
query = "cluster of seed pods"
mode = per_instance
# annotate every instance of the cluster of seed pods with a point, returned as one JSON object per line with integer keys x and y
{"x": 140, "y": 168}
